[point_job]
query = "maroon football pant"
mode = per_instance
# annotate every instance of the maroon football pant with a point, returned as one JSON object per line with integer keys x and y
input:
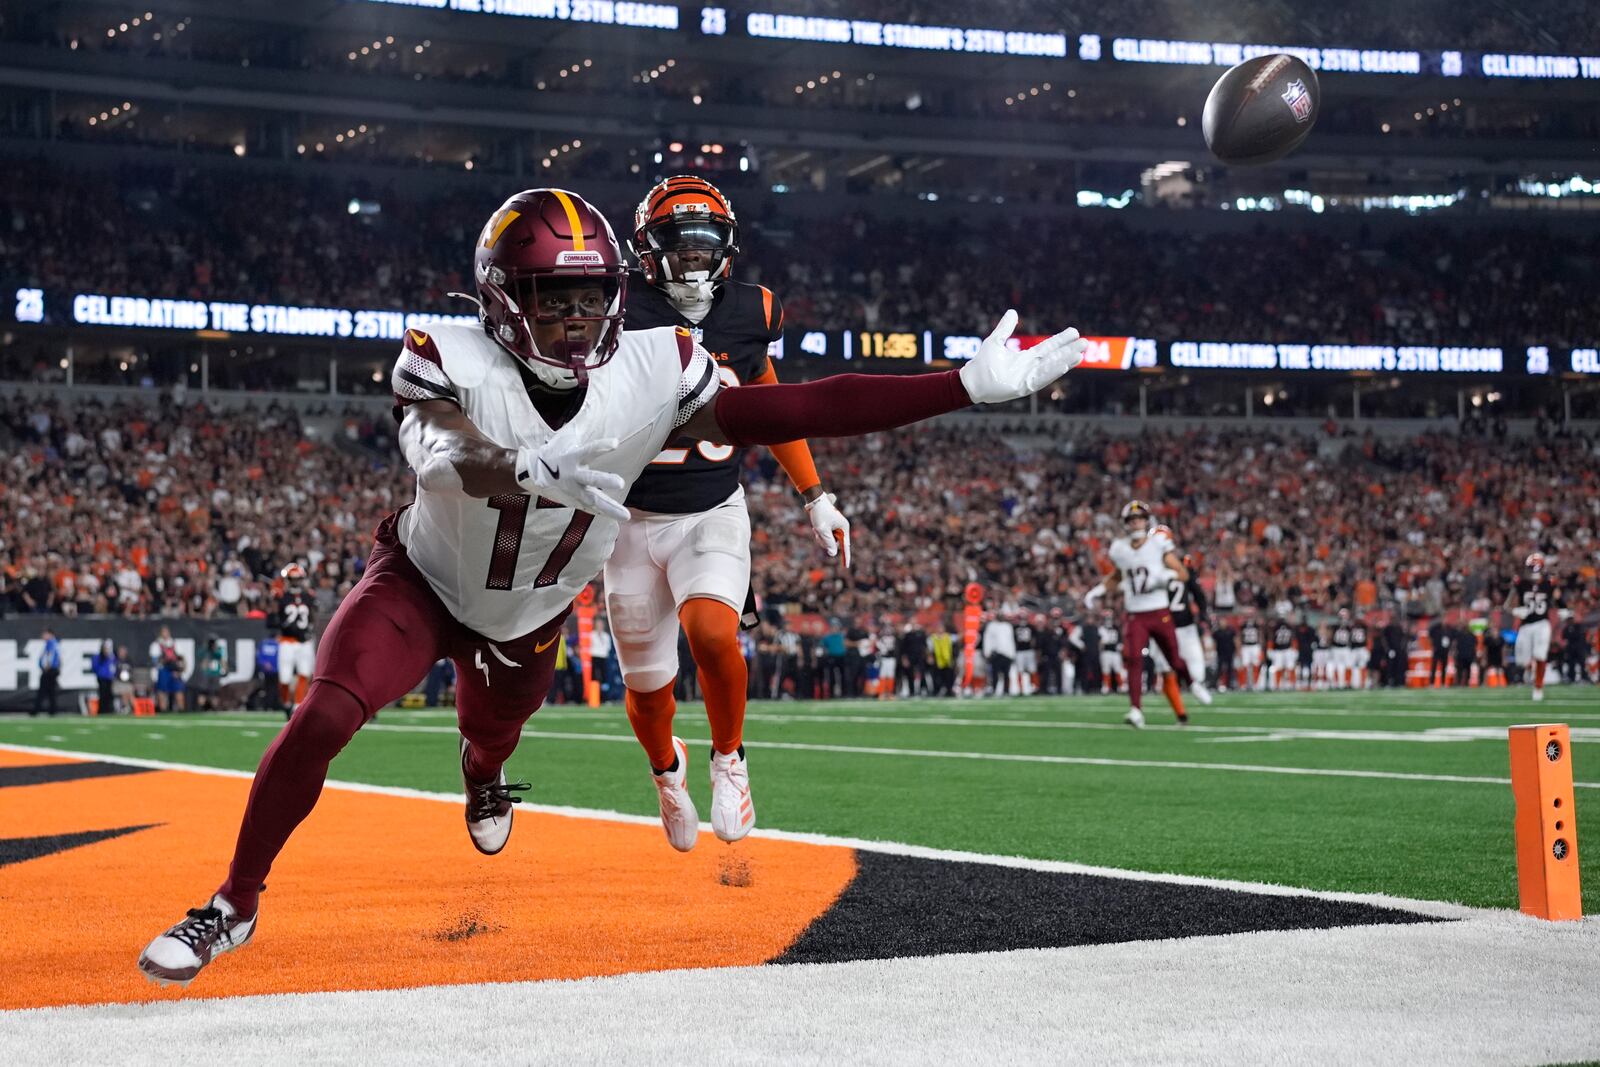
{"x": 1139, "y": 629}
{"x": 383, "y": 640}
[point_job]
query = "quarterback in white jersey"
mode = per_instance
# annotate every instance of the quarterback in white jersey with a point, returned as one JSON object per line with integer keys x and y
{"x": 524, "y": 437}
{"x": 1146, "y": 561}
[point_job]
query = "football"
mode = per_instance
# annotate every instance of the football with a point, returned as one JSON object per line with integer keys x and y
{"x": 1261, "y": 110}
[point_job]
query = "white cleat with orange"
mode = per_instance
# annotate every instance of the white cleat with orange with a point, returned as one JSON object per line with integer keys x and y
{"x": 678, "y": 816}
{"x": 733, "y": 813}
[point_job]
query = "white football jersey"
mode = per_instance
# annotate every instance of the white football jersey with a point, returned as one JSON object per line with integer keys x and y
{"x": 1144, "y": 571}
{"x": 507, "y": 565}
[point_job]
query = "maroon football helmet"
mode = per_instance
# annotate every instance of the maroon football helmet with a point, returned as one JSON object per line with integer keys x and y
{"x": 535, "y": 252}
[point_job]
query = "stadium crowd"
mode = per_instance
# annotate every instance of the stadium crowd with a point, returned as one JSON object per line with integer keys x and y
{"x": 181, "y": 510}
{"x": 1393, "y": 284}
{"x": 175, "y": 510}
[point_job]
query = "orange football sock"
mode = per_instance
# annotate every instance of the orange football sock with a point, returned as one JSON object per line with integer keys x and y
{"x": 650, "y": 715}
{"x": 713, "y": 631}
{"x": 1169, "y": 686}
{"x": 301, "y": 684}
{"x": 1538, "y": 674}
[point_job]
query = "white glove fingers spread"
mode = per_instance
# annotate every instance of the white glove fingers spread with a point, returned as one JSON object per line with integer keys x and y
{"x": 601, "y": 504}
{"x": 1005, "y": 327}
{"x": 611, "y": 483}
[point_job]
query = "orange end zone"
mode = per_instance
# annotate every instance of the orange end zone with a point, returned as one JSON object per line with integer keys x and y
{"x": 378, "y": 892}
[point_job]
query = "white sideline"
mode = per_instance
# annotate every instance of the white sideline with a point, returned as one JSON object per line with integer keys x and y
{"x": 1440, "y": 909}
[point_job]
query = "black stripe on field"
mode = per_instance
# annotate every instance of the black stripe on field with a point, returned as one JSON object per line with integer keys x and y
{"x": 44, "y": 773}
{"x": 905, "y": 906}
{"x": 21, "y": 849}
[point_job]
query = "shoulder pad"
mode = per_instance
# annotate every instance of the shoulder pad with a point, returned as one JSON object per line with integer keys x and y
{"x": 468, "y": 353}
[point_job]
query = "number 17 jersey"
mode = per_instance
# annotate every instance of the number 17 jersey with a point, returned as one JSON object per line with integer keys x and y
{"x": 506, "y": 565}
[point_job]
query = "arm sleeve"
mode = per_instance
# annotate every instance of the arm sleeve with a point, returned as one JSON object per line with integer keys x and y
{"x": 697, "y": 384}
{"x": 419, "y": 374}
{"x": 793, "y": 456}
{"x": 845, "y": 405}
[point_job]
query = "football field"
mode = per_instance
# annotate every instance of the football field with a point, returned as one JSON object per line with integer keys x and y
{"x": 1405, "y": 793}
{"x": 911, "y": 835}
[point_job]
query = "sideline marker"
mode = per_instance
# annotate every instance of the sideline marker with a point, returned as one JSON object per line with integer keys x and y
{"x": 1546, "y": 822}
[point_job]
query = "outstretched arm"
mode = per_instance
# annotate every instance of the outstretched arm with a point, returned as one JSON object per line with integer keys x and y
{"x": 847, "y": 405}
{"x": 832, "y": 529}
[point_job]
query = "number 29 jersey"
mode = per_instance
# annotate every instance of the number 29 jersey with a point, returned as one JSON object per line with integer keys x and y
{"x": 690, "y": 476}
{"x": 1144, "y": 571}
{"x": 506, "y": 565}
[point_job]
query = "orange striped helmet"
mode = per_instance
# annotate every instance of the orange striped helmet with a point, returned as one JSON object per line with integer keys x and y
{"x": 679, "y": 214}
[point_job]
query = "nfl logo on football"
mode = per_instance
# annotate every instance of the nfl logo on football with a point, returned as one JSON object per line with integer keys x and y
{"x": 1298, "y": 99}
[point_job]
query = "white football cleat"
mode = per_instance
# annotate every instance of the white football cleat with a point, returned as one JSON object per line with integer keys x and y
{"x": 733, "y": 813}
{"x": 1201, "y": 693}
{"x": 1538, "y": 695}
{"x": 1134, "y": 718}
{"x": 678, "y": 817}
{"x": 489, "y": 808}
{"x": 182, "y": 952}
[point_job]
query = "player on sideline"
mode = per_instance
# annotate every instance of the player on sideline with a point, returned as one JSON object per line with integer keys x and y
{"x": 1250, "y": 653}
{"x": 525, "y": 432}
{"x": 1343, "y": 655}
{"x": 297, "y": 660}
{"x": 1533, "y": 597}
{"x": 1145, "y": 562}
{"x": 684, "y": 557}
{"x": 1360, "y": 649}
{"x": 1282, "y": 656}
{"x": 1110, "y": 653}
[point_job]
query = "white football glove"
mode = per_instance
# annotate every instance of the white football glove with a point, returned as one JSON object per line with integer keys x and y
{"x": 1092, "y": 597}
{"x": 560, "y": 471}
{"x": 830, "y": 526}
{"x": 997, "y": 374}
{"x": 1519, "y": 613}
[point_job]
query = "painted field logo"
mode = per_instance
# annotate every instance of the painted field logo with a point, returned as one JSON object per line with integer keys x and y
{"x": 1298, "y": 99}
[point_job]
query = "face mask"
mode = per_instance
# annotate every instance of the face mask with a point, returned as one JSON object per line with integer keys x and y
{"x": 698, "y": 290}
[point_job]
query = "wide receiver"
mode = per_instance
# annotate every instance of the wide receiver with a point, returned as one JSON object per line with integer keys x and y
{"x": 525, "y": 432}
{"x": 684, "y": 557}
{"x": 1145, "y": 561}
{"x": 1533, "y": 597}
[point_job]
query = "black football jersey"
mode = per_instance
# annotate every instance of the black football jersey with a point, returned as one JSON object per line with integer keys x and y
{"x": 1358, "y": 635}
{"x": 1341, "y": 636}
{"x": 1249, "y": 634}
{"x": 1283, "y": 636}
{"x": 1538, "y": 595}
{"x": 1183, "y": 598}
{"x": 690, "y": 476}
{"x": 1024, "y": 635}
{"x": 295, "y": 616}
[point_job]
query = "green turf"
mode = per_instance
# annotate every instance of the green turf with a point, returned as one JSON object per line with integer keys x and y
{"x": 1416, "y": 838}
